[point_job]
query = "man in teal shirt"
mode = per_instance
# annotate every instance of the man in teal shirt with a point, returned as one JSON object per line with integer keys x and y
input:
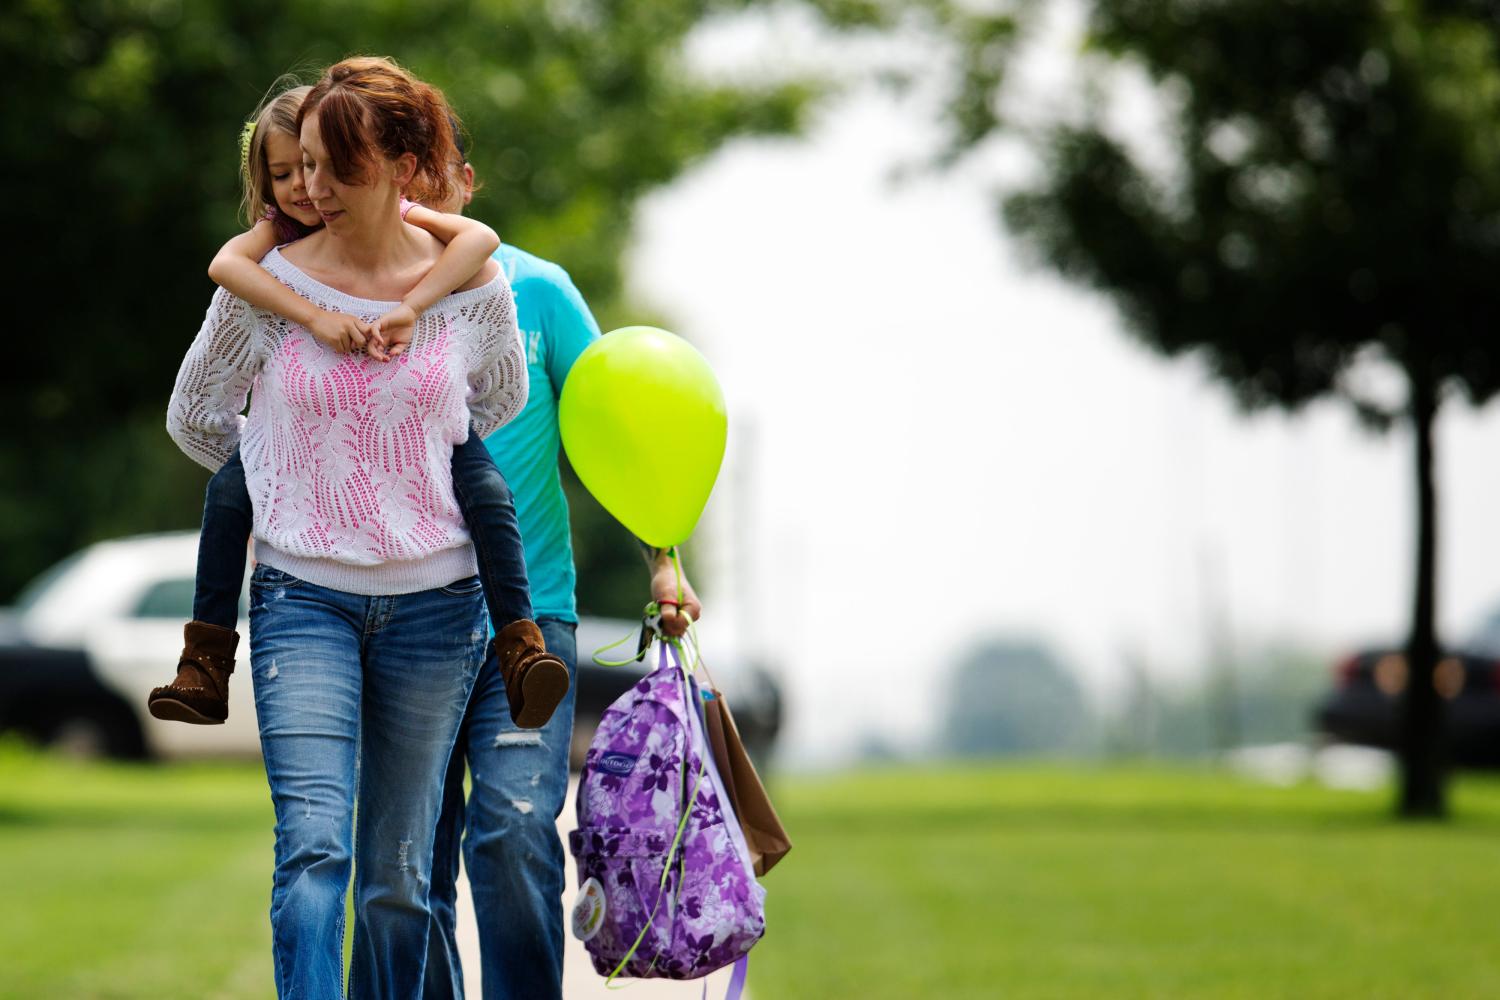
{"x": 512, "y": 852}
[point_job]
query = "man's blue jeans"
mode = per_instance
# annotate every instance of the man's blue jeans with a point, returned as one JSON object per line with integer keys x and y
{"x": 373, "y": 687}
{"x": 512, "y": 851}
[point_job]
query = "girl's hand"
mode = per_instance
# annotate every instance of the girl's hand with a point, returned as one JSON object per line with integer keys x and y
{"x": 390, "y": 334}
{"x": 340, "y": 332}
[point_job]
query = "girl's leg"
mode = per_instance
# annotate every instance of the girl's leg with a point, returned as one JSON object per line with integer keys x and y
{"x": 487, "y": 506}
{"x": 227, "y": 515}
{"x": 422, "y": 652}
{"x": 305, "y": 662}
{"x": 200, "y": 692}
{"x": 535, "y": 680}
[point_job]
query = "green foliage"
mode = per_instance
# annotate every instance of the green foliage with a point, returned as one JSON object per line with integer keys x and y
{"x": 119, "y": 144}
{"x": 1332, "y": 192}
{"x": 1334, "y": 186}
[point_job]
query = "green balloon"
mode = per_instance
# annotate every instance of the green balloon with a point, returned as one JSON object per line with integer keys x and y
{"x": 643, "y": 420}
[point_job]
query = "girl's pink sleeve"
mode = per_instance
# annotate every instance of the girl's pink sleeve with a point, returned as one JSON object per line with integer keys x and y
{"x": 406, "y": 206}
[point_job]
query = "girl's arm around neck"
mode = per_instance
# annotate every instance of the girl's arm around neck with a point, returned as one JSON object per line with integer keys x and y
{"x": 465, "y": 263}
{"x": 470, "y": 244}
{"x": 236, "y": 268}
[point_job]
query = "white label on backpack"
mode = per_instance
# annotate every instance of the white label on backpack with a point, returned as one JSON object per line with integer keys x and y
{"x": 618, "y": 763}
{"x": 588, "y": 910}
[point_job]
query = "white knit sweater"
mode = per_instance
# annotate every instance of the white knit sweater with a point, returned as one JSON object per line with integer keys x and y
{"x": 348, "y": 459}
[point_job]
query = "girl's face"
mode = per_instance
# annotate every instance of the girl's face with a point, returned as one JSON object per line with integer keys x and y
{"x": 284, "y": 160}
{"x": 343, "y": 207}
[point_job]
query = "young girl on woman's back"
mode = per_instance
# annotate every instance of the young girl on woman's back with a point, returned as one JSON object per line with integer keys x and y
{"x": 277, "y": 205}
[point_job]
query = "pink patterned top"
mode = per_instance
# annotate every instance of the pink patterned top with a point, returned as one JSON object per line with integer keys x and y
{"x": 348, "y": 459}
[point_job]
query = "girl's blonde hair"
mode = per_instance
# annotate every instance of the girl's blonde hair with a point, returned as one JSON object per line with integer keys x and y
{"x": 278, "y": 112}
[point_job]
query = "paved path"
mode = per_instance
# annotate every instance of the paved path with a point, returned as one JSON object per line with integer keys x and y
{"x": 580, "y": 981}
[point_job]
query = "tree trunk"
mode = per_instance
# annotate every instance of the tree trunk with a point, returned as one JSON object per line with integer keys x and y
{"x": 1422, "y": 738}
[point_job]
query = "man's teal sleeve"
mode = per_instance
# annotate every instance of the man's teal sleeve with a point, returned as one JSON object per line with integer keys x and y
{"x": 571, "y": 327}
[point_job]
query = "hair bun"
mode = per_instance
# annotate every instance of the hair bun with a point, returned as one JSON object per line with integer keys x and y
{"x": 371, "y": 107}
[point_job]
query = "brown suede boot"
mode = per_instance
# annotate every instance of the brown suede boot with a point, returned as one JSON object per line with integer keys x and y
{"x": 535, "y": 680}
{"x": 200, "y": 694}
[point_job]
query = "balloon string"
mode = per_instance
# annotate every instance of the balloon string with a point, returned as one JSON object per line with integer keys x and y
{"x": 692, "y": 623}
{"x": 677, "y": 568}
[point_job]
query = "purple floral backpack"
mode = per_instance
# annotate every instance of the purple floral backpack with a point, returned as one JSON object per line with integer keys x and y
{"x": 666, "y": 887}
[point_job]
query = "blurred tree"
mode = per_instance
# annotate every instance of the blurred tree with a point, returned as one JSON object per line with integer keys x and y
{"x": 119, "y": 145}
{"x": 1332, "y": 194}
{"x": 1014, "y": 697}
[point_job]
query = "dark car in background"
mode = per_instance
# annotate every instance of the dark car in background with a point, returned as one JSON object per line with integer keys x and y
{"x": 90, "y": 637}
{"x": 1370, "y": 687}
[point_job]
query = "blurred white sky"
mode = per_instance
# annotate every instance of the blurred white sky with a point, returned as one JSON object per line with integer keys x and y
{"x": 929, "y": 442}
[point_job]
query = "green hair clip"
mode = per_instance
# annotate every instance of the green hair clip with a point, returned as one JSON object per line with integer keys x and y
{"x": 246, "y": 134}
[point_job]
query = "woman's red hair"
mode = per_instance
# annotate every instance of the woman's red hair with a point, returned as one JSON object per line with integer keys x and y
{"x": 369, "y": 107}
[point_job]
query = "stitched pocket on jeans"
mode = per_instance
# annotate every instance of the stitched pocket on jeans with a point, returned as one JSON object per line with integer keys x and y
{"x": 463, "y": 588}
{"x": 268, "y": 584}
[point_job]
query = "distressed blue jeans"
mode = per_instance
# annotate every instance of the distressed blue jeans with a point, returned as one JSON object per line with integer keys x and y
{"x": 370, "y": 688}
{"x": 511, "y": 848}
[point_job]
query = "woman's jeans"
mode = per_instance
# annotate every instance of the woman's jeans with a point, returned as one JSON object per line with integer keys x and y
{"x": 366, "y": 692}
{"x": 511, "y": 848}
{"x": 483, "y": 498}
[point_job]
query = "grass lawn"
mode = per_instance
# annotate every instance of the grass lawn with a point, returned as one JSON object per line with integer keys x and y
{"x": 133, "y": 881}
{"x": 1036, "y": 882}
{"x": 1022, "y": 881}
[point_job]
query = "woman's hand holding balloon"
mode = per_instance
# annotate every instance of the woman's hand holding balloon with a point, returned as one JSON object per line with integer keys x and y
{"x": 622, "y": 393}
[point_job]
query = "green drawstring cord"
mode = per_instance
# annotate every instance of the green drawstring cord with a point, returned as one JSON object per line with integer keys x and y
{"x": 677, "y": 568}
{"x": 599, "y": 659}
{"x": 653, "y": 611}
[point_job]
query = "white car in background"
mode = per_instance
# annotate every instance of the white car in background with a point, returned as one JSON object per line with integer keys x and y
{"x": 90, "y": 637}
{"x": 108, "y": 621}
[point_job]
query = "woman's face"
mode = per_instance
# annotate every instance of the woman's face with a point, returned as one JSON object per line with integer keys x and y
{"x": 284, "y": 160}
{"x": 342, "y": 207}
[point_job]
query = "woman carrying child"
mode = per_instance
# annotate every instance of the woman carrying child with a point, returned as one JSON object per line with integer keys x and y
{"x": 276, "y": 204}
{"x": 366, "y": 622}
